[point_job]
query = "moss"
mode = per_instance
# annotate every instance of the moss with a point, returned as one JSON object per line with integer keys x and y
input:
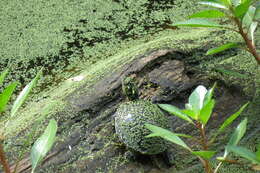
{"x": 129, "y": 123}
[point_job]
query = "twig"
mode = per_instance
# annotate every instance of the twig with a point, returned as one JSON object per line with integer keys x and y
{"x": 249, "y": 42}
{"x": 3, "y": 160}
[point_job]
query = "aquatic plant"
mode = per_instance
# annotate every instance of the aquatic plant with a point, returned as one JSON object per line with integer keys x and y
{"x": 197, "y": 112}
{"x": 43, "y": 144}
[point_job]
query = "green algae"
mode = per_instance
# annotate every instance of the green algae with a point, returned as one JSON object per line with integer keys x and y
{"x": 58, "y": 34}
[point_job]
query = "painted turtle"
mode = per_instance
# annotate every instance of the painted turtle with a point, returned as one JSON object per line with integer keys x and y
{"x": 130, "y": 118}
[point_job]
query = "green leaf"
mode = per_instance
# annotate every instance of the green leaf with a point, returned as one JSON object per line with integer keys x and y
{"x": 175, "y": 111}
{"x": 6, "y": 95}
{"x": 257, "y": 11}
{"x": 24, "y": 94}
{"x": 166, "y": 134}
{"x": 43, "y": 144}
{"x": 208, "y": 14}
{"x": 177, "y": 134}
{"x": 221, "y": 48}
{"x": 243, "y": 152}
{"x": 198, "y": 23}
{"x": 188, "y": 106}
{"x": 209, "y": 95}
{"x": 190, "y": 113}
{"x": 206, "y": 111}
{"x": 214, "y": 3}
{"x": 221, "y": 159}
{"x": 252, "y": 30}
{"x": 183, "y": 135}
{"x": 226, "y": 2}
{"x": 204, "y": 154}
{"x": 249, "y": 17}
{"x": 232, "y": 73}
{"x": 239, "y": 133}
{"x": 242, "y": 8}
{"x": 236, "y": 2}
{"x": 2, "y": 76}
{"x": 258, "y": 152}
{"x": 196, "y": 98}
{"x": 231, "y": 118}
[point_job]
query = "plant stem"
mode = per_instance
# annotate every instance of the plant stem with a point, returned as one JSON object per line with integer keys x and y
{"x": 205, "y": 163}
{"x": 3, "y": 160}
{"x": 216, "y": 170}
{"x": 249, "y": 43}
{"x": 228, "y": 161}
{"x": 203, "y": 135}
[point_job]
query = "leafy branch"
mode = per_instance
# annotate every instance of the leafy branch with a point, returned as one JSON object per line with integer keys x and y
{"x": 242, "y": 14}
{"x": 198, "y": 112}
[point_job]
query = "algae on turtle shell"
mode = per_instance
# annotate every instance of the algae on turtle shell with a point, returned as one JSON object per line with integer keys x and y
{"x": 129, "y": 124}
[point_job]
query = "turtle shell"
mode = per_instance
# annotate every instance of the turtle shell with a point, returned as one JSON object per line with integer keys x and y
{"x": 130, "y": 120}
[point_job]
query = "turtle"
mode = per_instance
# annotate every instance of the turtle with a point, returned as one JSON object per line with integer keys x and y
{"x": 131, "y": 117}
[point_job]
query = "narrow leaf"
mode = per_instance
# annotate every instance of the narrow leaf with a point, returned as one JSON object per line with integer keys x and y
{"x": 239, "y": 133}
{"x": 177, "y": 134}
{"x": 226, "y": 2}
{"x": 6, "y": 95}
{"x": 206, "y": 111}
{"x": 175, "y": 111}
{"x": 198, "y": 23}
{"x": 221, "y": 48}
{"x": 204, "y": 154}
{"x": 214, "y": 3}
{"x": 231, "y": 118}
{"x": 236, "y": 2}
{"x": 249, "y": 17}
{"x": 258, "y": 152}
{"x": 221, "y": 159}
{"x": 188, "y": 106}
{"x": 24, "y": 94}
{"x": 257, "y": 11}
{"x": 252, "y": 30}
{"x": 209, "y": 95}
{"x": 243, "y": 152}
{"x": 208, "y": 14}
{"x": 231, "y": 73}
{"x": 197, "y": 97}
{"x": 43, "y": 144}
{"x": 190, "y": 113}
{"x": 241, "y": 9}
{"x": 2, "y": 76}
{"x": 183, "y": 135}
{"x": 166, "y": 134}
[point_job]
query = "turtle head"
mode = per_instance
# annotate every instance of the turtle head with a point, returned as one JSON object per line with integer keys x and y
{"x": 129, "y": 87}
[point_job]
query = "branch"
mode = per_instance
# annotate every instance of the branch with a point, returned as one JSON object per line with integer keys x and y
{"x": 249, "y": 43}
